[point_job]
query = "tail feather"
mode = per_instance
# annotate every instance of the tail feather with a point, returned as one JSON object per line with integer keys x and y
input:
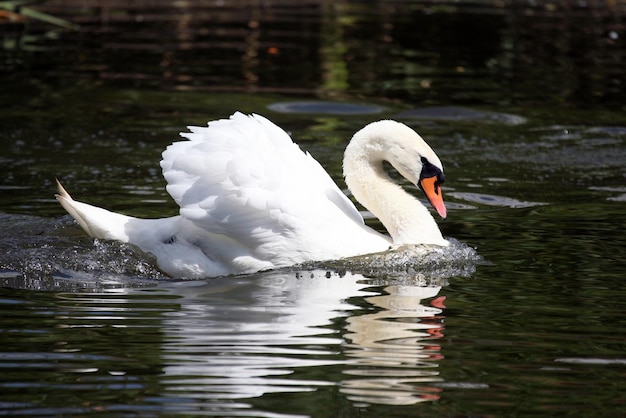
{"x": 95, "y": 221}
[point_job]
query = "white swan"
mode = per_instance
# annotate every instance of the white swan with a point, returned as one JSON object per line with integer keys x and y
{"x": 251, "y": 200}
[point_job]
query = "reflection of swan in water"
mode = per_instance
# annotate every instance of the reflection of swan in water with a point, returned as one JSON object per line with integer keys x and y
{"x": 245, "y": 337}
{"x": 394, "y": 355}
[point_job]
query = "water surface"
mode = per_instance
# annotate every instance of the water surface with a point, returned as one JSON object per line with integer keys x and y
{"x": 527, "y": 116}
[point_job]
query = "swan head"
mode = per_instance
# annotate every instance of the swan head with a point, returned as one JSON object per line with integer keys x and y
{"x": 430, "y": 180}
{"x": 407, "y": 152}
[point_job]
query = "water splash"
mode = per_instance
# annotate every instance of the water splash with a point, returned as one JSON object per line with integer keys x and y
{"x": 44, "y": 254}
{"x": 421, "y": 265}
{"x": 48, "y": 254}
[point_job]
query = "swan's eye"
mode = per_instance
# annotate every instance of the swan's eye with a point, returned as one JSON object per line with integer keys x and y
{"x": 431, "y": 171}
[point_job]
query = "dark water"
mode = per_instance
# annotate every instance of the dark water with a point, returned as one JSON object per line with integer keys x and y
{"x": 524, "y": 105}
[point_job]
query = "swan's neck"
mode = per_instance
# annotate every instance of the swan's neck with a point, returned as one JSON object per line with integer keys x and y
{"x": 406, "y": 219}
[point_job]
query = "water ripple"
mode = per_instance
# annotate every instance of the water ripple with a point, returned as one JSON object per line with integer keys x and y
{"x": 494, "y": 200}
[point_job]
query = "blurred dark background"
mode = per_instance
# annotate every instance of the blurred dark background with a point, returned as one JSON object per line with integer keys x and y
{"x": 495, "y": 53}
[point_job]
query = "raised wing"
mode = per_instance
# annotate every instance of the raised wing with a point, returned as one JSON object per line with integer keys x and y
{"x": 245, "y": 179}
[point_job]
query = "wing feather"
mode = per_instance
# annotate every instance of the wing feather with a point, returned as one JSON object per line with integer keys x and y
{"x": 245, "y": 178}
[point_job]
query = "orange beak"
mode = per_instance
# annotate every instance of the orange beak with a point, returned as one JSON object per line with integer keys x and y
{"x": 430, "y": 186}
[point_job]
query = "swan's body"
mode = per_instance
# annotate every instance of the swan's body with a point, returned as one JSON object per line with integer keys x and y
{"x": 250, "y": 200}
